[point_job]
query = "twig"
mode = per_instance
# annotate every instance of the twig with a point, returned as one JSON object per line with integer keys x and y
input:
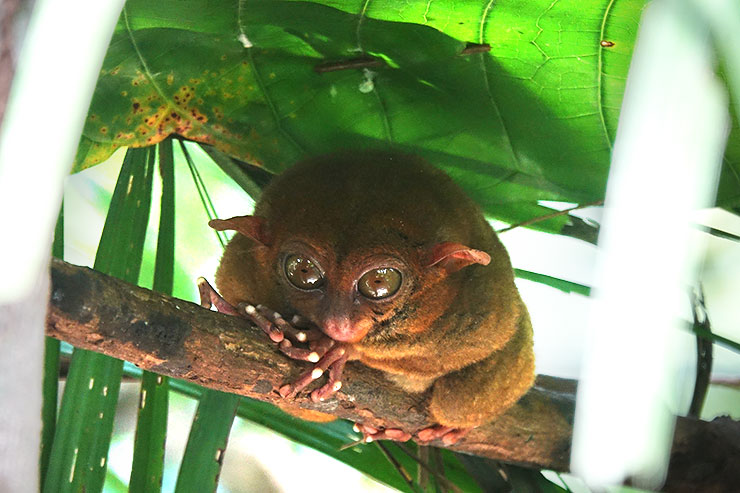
{"x": 426, "y": 467}
{"x": 549, "y": 216}
{"x": 363, "y": 62}
{"x": 404, "y": 474}
{"x": 717, "y": 232}
{"x": 703, "y": 354}
{"x": 471, "y": 48}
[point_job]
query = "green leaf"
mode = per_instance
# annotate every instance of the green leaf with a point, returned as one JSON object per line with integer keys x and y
{"x": 532, "y": 119}
{"x": 165, "y": 261}
{"x": 201, "y": 463}
{"x": 554, "y": 282}
{"x": 80, "y": 449}
{"x": 151, "y": 431}
{"x": 151, "y": 426}
{"x": 79, "y": 452}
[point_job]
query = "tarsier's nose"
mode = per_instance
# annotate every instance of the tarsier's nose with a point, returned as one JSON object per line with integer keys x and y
{"x": 340, "y": 328}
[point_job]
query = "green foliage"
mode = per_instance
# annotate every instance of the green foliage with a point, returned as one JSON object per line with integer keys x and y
{"x": 532, "y": 119}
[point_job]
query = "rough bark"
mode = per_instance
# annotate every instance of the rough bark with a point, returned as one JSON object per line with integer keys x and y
{"x": 181, "y": 339}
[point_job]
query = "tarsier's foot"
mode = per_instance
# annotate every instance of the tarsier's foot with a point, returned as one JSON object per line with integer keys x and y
{"x": 370, "y": 433}
{"x": 448, "y": 434}
{"x": 210, "y": 297}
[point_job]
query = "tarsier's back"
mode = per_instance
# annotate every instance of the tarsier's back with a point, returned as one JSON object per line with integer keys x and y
{"x": 390, "y": 259}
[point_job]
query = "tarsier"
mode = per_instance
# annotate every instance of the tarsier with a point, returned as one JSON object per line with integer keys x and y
{"x": 380, "y": 258}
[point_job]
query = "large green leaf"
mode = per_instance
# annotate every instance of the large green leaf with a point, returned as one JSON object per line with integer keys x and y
{"x": 534, "y": 118}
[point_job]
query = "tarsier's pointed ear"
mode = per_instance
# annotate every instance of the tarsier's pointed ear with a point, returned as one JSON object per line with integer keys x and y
{"x": 454, "y": 256}
{"x": 253, "y": 227}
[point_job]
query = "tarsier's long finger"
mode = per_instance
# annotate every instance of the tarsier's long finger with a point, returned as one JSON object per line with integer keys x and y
{"x": 335, "y": 380}
{"x": 251, "y": 313}
{"x": 291, "y": 390}
{"x": 209, "y": 297}
{"x": 303, "y": 323}
{"x": 289, "y": 331}
{"x": 322, "y": 345}
{"x": 307, "y": 327}
{"x": 371, "y": 434}
{"x": 287, "y": 348}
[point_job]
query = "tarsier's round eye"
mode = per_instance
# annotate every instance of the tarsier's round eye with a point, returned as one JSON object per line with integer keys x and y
{"x": 379, "y": 283}
{"x": 302, "y": 272}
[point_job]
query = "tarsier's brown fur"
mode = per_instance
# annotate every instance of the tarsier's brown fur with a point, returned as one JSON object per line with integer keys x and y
{"x": 466, "y": 333}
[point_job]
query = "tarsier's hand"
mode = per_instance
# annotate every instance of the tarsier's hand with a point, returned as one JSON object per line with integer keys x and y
{"x": 326, "y": 353}
{"x": 210, "y": 297}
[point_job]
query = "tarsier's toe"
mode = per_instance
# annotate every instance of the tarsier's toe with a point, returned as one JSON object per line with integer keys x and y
{"x": 371, "y": 433}
{"x": 447, "y": 434}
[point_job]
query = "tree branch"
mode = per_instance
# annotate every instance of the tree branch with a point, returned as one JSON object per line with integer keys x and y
{"x": 180, "y": 339}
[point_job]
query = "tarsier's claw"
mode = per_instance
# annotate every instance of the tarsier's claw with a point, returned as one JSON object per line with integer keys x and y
{"x": 448, "y": 434}
{"x": 371, "y": 433}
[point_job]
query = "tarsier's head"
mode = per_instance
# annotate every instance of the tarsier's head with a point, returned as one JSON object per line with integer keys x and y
{"x": 352, "y": 241}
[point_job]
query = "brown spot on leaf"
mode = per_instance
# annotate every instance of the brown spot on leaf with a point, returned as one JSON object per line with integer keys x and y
{"x": 607, "y": 44}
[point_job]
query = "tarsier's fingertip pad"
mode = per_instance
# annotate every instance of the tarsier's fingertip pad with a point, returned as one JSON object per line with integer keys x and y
{"x": 301, "y": 336}
{"x": 285, "y": 390}
{"x": 316, "y": 373}
{"x": 276, "y": 335}
{"x": 314, "y": 358}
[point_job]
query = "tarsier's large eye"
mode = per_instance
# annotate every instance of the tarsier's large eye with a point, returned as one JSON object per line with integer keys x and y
{"x": 379, "y": 283}
{"x": 302, "y": 272}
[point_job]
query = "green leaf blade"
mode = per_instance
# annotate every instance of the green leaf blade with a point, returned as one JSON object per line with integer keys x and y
{"x": 201, "y": 463}
{"x": 147, "y": 467}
